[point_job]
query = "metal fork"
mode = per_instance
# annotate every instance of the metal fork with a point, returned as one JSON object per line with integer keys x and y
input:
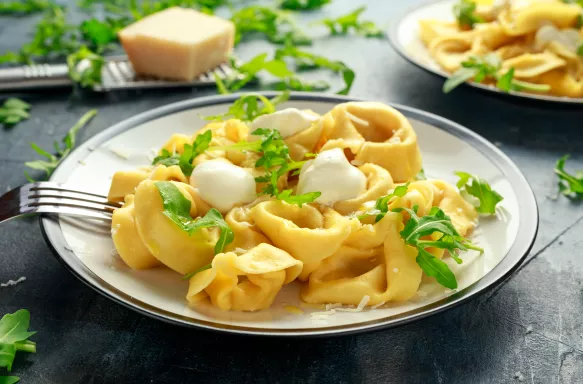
{"x": 54, "y": 198}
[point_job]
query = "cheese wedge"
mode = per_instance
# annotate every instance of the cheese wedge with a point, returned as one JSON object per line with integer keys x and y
{"x": 177, "y": 43}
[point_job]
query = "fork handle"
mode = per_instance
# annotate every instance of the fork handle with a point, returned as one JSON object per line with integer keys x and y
{"x": 34, "y": 76}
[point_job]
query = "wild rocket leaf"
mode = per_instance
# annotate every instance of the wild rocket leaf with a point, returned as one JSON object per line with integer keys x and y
{"x": 13, "y": 111}
{"x": 190, "y": 152}
{"x": 480, "y": 189}
{"x": 14, "y": 336}
{"x": 570, "y": 185}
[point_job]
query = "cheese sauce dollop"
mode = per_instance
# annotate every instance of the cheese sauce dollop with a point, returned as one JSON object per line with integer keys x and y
{"x": 222, "y": 184}
{"x": 288, "y": 122}
{"x": 331, "y": 174}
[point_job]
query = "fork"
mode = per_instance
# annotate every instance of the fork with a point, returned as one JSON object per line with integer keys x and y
{"x": 54, "y": 198}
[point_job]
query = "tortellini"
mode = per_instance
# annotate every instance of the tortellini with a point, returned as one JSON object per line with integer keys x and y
{"x": 538, "y": 39}
{"x": 334, "y": 248}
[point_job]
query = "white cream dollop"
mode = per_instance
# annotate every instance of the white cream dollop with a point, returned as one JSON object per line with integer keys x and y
{"x": 222, "y": 184}
{"x": 288, "y": 122}
{"x": 569, "y": 37}
{"x": 331, "y": 174}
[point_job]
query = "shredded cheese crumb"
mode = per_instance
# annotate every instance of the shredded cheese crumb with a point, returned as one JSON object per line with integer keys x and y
{"x": 239, "y": 251}
{"x": 82, "y": 162}
{"x": 357, "y": 163}
{"x": 333, "y": 306}
{"x": 153, "y": 153}
{"x": 114, "y": 230}
{"x": 529, "y": 329}
{"x": 378, "y": 305}
{"x": 518, "y": 375}
{"x": 11, "y": 283}
{"x": 360, "y": 306}
{"x": 395, "y": 270}
{"x": 124, "y": 154}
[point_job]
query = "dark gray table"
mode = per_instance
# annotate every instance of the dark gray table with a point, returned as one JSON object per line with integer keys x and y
{"x": 531, "y": 328}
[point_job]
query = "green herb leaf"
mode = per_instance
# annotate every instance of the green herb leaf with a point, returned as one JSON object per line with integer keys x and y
{"x": 8, "y": 379}
{"x": 177, "y": 209}
{"x": 185, "y": 159}
{"x": 13, "y": 337}
{"x": 303, "y": 5}
{"x": 24, "y": 7}
{"x": 436, "y": 221}
{"x": 250, "y": 106}
{"x": 344, "y": 24}
{"x": 465, "y": 14}
{"x": 570, "y": 185}
{"x": 421, "y": 175}
{"x": 459, "y": 77}
{"x": 481, "y": 190}
{"x": 203, "y": 268}
{"x": 278, "y": 26}
{"x": 299, "y": 200}
{"x": 85, "y": 67}
{"x": 62, "y": 150}
{"x": 382, "y": 204}
{"x": 305, "y": 60}
{"x": 505, "y": 81}
{"x": 13, "y": 111}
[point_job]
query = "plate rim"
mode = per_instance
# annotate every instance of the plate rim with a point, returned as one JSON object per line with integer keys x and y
{"x": 523, "y": 243}
{"x": 392, "y": 34}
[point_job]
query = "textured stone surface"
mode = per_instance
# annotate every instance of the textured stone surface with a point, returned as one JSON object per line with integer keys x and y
{"x": 529, "y": 328}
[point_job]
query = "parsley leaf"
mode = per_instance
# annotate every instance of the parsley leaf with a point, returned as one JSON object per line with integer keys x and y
{"x": 303, "y": 5}
{"x": 24, "y": 6}
{"x": 465, "y": 14}
{"x": 14, "y": 336}
{"x": 184, "y": 160}
{"x": 278, "y": 26}
{"x": 305, "y": 60}
{"x": 247, "y": 107}
{"x": 481, "y": 190}
{"x": 13, "y": 111}
{"x": 382, "y": 204}
{"x": 436, "y": 221}
{"x": 570, "y": 185}
{"x": 343, "y": 24}
{"x": 177, "y": 209}
{"x": 62, "y": 150}
{"x": 487, "y": 67}
{"x": 85, "y": 67}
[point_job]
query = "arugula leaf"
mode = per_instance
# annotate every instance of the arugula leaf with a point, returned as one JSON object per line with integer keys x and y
{"x": 570, "y": 185}
{"x": 184, "y": 160}
{"x": 85, "y": 67}
{"x": 481, "y": 190}
{"x": 305, "y": 60}
{"x": 24, "y": 6}
{"x": 177, "y": 209}
{"x": 343, "y": 24}
{"x": 247, "y": 107}
{"x": 303, "y": 5}
{"x": 13, "y": 111}
{"x": 465, "y": 14}
{"x": 480, "y": 68}
{"x": 421, "y": 175}
{"x": 100, "y": 34}
{"x": 382, "y": 204}
{"x": 14, "y": 336}
{"x": 203, "y": 268}
{"x": 277, "y": 26}
{"x": 9, "y": 379}
{"x": 62, "y": 150}
{"x": 247, "y": 72}
{"x": 417, "y": 229}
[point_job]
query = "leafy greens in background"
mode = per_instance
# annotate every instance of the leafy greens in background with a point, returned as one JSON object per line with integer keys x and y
{"x": 303, "y": 5}
{"x": 13, "y": 111}
{"x": 61, "y": 149}
{"x": 570, "y": 185}
{"x": 85, "y": 67}
{"x": 489, "y": 67}
{"x": 23, "y": 6}
{"x": 486, "y": 198}
{"x": 14, "y": 336}
{"x": 344, "y": 24}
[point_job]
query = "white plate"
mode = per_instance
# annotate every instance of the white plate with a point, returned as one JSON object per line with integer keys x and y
{"x": 404, "y": 37}
{"x": 87, "y": 250}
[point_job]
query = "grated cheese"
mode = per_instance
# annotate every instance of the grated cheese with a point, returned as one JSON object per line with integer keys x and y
{"x": 357, "y": 120}
{"x": 360, "y": 307}
{"x": 153, "y": 153}
{"x": 124, "y": 154}
{"x": 82, "y": 162}
{"x": 114, "y": 230}
{"x": 395, "y": 270}
{"x": 518, "y": 375}
{"x": 529, "y": 329}
{"x": 378, "y": 305}
{"x": 11, "y": 283}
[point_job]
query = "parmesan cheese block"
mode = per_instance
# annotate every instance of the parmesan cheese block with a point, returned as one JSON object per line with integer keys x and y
{"x": 177, "y": 43}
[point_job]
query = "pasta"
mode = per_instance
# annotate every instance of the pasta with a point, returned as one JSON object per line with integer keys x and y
{"x": 536, "y": 44}
{"x": 340, "y": 250}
